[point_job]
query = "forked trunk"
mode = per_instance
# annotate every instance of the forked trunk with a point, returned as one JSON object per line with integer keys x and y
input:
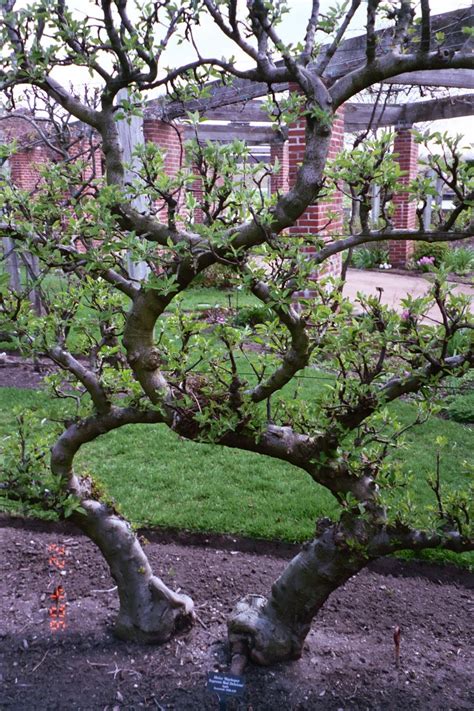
{"x": 274, "y": 630}
{"x": 149, "y": 611}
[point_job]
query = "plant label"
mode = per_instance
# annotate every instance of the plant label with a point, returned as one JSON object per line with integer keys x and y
{"x": 225, "y": 684}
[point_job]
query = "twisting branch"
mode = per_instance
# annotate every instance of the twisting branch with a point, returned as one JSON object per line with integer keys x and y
{"x": 295, "y": 358}
{"x": 425, "y": 44}
{"x": 232, "y": 32}
{"x": 391, "y": 64}
{"x": 330, "y": 52}
{"x": 89, "y": 380}
{"x": 310, "y": 33}
{"x": 366, "y": 238}
{"x": 371, "y": 46}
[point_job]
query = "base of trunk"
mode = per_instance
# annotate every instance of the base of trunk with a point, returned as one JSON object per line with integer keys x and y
{"x": 275, "y": 630}
{"x": 269, "y": 639}
{"x": 149, "y": 612}
{"x": 161, "y": 613}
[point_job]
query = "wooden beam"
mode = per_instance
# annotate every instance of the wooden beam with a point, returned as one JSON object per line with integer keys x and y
{"x": 449, "y": 107}
{"x": 456, "y": 78}
{"x": 240, "y": 91}
{"x": 349, "y": 56}
{"x": 357, "y": 116}
{"x": 242, "y": 112}
{"x": 252, "y": 135}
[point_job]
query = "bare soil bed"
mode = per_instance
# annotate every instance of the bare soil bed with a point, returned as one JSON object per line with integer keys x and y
{"x": 18, "y": 372}
{"x": 348, "y": 661}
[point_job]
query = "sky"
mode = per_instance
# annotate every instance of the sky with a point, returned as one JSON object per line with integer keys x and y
{"x": 211, "y": 42}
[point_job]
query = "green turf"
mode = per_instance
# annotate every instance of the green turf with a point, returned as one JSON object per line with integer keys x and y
{"x": 199, "y": 298}
{"x": 162, "y": 480}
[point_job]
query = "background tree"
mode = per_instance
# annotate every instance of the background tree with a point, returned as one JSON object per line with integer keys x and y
{"x": 133, "y": 356}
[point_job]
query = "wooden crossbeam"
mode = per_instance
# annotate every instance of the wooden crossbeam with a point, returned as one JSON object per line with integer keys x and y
{"x": 252, "y": 135}
{"x": 456, "y": 78}
{"x": 243, "y": 112}
{"x": 357, "y": 116}
{"x": 349, "y": 56}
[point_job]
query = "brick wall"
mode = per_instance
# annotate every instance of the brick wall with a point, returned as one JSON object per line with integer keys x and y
{"x": 30, "y": 151}
{"x": 317, "y": 219}
{"x": 279, "y": 182}
{"x": 406, "y": 152}
{"x": 169, "y": 137}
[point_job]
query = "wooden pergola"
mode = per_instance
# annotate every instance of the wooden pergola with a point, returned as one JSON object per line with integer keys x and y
{"x": 234, "y": 111}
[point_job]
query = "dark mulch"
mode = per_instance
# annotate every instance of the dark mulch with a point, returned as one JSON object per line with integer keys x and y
{"x": 18, "y": 372}
{"x": 348, "y": 661}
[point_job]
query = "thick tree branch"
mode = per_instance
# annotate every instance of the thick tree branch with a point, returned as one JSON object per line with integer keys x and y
{"x": 371, "y": 48}
{"x": 406, "y": 235}
{"x": 310, "y": 33}
{"x": 85, "y": 376}
{"x": 330, "y": 52}
{"x": 425, "y": 43}
{"x": 296, "y": 357}
{"x": 396, "y": 538}
{"x": 389, "y": 65}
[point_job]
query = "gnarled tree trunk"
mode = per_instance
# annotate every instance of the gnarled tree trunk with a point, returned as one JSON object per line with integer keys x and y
{"x": 149, "y": 611}
{"x": 275, "y": 629}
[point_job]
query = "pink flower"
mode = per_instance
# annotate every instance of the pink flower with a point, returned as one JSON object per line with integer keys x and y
{"x": 425, "y": 260}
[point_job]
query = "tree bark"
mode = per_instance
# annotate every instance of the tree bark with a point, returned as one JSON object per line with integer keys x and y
{"x": 275, "y": 629}
{"x": 149, "y": 611}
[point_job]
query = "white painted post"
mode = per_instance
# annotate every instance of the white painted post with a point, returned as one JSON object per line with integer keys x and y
{"x": 428, "y": 211}
{"x": 10, "y": 256}
{"x": 131, "y": 135}
{"x": 11, "y": 263}
{"x": 375, "y": 211}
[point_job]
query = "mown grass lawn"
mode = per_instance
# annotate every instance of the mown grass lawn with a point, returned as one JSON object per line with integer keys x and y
{"x": 160, "y": 480}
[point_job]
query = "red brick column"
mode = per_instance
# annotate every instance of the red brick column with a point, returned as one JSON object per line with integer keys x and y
{"x": 406, "y": 153}
{"x": 169, "y": 137}
{"x": 317, "y": 219}
{"x": 279, "y": 182}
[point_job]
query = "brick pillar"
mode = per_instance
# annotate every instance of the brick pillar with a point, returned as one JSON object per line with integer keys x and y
{"x": 24, "y": 166}
{"x": 169, "y": 137}
{"x": 317, "y": 219}
{"x": 279, "y": 182}
{"x": 406, "y": 153}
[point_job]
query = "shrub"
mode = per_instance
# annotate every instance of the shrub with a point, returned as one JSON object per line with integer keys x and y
{"x": 437, "y": 251}
{"x": 460, "y": 408}
{"x": 218, "y": 276}
{"x": 370, "y": 257}
{"x": 459, "y": 402}
{"x": 253, "y": 315}
{"x": 460, "y": 260}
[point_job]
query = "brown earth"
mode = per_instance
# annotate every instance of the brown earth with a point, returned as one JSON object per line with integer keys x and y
{"x": 17, "y": 372}
{"x": 348, "y": 661}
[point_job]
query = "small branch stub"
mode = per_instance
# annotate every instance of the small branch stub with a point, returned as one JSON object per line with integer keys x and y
{"x": 396, "y": 641}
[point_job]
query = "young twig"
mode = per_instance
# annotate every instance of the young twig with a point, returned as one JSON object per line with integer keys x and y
{"x": 41, "y": 661}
